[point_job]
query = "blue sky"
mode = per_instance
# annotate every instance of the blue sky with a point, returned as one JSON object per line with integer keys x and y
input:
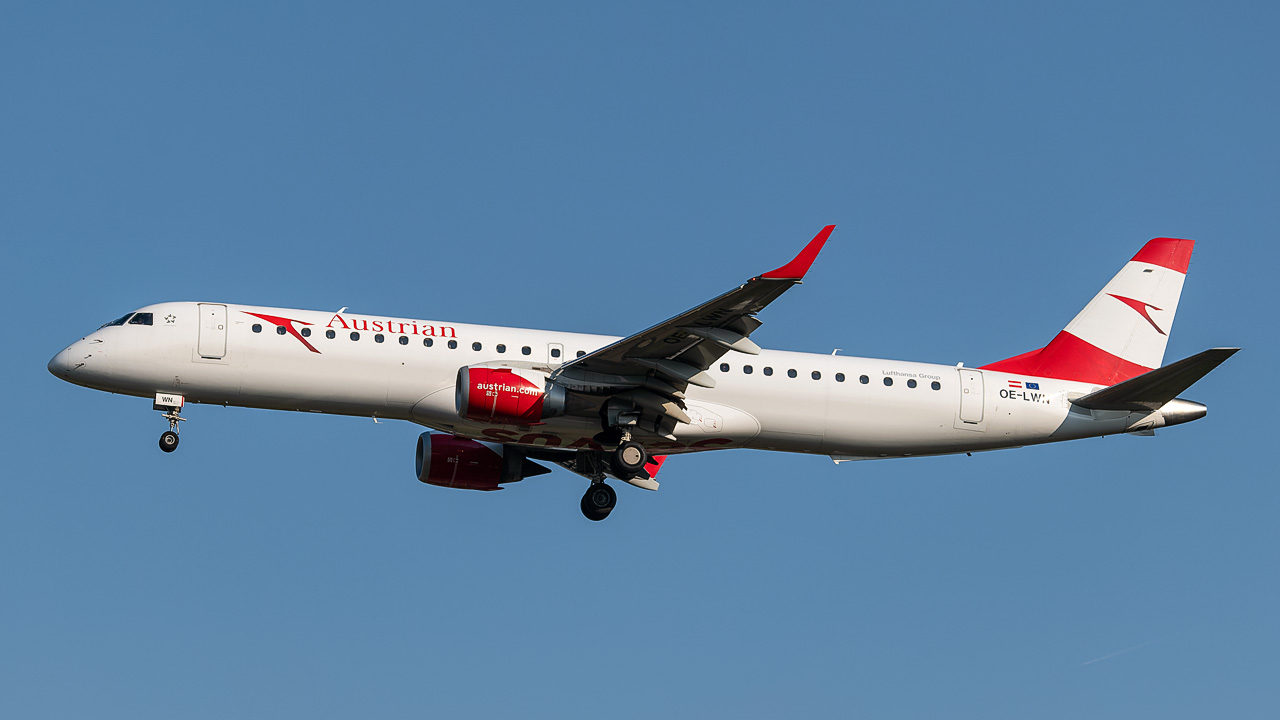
{"x": 599, "y": 167}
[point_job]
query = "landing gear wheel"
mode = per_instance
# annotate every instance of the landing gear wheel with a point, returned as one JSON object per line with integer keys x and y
{"x": 599, "y": 501}
{"x": 628, "y": 460}
{"x": 169, "y": 441}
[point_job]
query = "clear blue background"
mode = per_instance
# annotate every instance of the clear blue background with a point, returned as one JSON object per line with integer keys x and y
{"x": 599, "y": 167}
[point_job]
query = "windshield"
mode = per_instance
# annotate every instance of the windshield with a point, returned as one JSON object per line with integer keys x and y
{"x": 140, "y": 319}
{"x": 118, "y": 321}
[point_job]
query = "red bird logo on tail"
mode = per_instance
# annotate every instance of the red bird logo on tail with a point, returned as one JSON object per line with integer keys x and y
{"x": 1141, "y": 308}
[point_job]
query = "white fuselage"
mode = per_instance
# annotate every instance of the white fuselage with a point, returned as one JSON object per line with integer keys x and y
{"x": 406, "y": 369}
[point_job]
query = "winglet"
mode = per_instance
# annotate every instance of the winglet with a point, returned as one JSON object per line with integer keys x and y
{"x": 796, "y": 269}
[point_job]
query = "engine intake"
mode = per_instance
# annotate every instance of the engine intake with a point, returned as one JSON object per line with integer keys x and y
{"x": 450, "y": 461}
{"x": 508, "y": 396}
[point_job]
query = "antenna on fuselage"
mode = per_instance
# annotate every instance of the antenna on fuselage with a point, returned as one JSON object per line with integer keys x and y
{"x": 344, "y": 309}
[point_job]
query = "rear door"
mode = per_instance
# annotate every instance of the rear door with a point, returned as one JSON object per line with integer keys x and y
{"x": 970, "y": 396}
{"x": 213, "y": 331}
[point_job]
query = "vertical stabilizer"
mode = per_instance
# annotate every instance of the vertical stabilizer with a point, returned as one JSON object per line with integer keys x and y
{"x": 1123, "y": 331}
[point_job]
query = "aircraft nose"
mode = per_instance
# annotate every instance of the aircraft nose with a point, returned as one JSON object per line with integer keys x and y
{"x": 60, "y": 365}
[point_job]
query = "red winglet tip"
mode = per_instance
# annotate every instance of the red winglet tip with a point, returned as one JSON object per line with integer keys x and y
{"x": 1171, "y": 253}
{"x": 797, "y": 268}
{"x": 654, "y": 464}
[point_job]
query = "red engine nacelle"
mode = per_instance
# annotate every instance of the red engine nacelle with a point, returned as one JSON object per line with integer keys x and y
{"x": 450, "y": 461}
{"x": 507, "y": 396}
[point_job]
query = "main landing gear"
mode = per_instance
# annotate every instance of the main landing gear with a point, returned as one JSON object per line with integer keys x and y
{"x": 625, "y": 462}
{"x": 599, "y": 501}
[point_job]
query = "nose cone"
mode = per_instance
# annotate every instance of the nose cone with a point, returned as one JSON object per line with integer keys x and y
{"x": 60, "y": 365}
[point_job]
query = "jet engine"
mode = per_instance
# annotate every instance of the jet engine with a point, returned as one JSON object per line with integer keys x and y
{"x": 450, "y": 461}
{"x": 507, "y": 396}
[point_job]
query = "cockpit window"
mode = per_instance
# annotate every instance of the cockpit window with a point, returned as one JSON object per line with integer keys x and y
{"x": 118, "y": 321}
{"x": 140, "y": 319}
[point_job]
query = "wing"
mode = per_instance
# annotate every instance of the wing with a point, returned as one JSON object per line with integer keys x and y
{"x": 646, "y": 374}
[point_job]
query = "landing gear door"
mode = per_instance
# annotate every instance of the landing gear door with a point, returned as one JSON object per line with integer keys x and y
{"x": 971, "y": 400}
{"x": 213, "y": 331}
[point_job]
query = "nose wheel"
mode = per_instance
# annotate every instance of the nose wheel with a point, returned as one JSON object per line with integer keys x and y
{"x": 599, "y": 501}
{"x": 169, "y": 441}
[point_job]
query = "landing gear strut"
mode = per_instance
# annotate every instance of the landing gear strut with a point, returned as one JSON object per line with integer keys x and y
{"x": 172, "y": 404}
{"x": 169, "y": 440}
{"x": 599, "y": 501}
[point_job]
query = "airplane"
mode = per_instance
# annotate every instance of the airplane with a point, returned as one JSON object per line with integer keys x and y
{"x": 498, "y": 402}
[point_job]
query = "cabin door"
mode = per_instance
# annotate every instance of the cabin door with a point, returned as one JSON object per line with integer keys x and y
{"x": 213, "y": 331}
{"x": 970, "y": 396}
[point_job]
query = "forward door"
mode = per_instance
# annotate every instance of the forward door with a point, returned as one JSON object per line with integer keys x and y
{"x": 213, "y": 331}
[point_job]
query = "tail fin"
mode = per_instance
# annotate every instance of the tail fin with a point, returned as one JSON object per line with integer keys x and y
{"x": 1122, "y": 332}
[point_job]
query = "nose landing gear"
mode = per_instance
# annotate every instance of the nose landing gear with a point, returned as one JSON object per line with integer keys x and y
{"x": 172, "y": 404}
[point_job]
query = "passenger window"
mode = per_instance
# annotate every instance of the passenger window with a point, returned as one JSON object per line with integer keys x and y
{"x": 427, "y": 342}
{"x": 140, "y": 319}
{"x": 581, "y": 353}
{"x": 404, "y": 339}
{"x": 453, "y": 344}
{"x": 306, "y": 332}
{"x": 768, "y": 370}
{"x": 330, "y": 334}
{"x": 935, "y": 385}
{"x": 475, "y": 346}
{"x": 355, "y": 336}
{"x": 724, "y": 367}
{"x": 280, "y": 330}
{"x": 257, "y": 327}
{"x": 379, "y": 337}
{"x": 501, "y": 348}
{"x": 911, "y": 383}
{"x": 864, "y": 379}
{"x": 525, "y": 350}
{"x": 555, "y": 352}
{"x": 888, "y": 381}
{"x": 839, "y": 377}
{"x": 746, "y": 369}
{"x": 791, "y": 373}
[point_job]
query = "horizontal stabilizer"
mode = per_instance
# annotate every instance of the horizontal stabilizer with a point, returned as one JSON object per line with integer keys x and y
{"x": 1152, "y": 390}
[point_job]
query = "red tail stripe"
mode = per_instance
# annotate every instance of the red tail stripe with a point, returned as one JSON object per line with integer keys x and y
{"x": 1169, "y": 253}
{"x": 1068, "y": 357}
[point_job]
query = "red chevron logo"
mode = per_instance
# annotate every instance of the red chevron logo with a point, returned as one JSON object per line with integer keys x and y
{"x": 1141, "y": 308}
{"x": 287, "y": 324}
